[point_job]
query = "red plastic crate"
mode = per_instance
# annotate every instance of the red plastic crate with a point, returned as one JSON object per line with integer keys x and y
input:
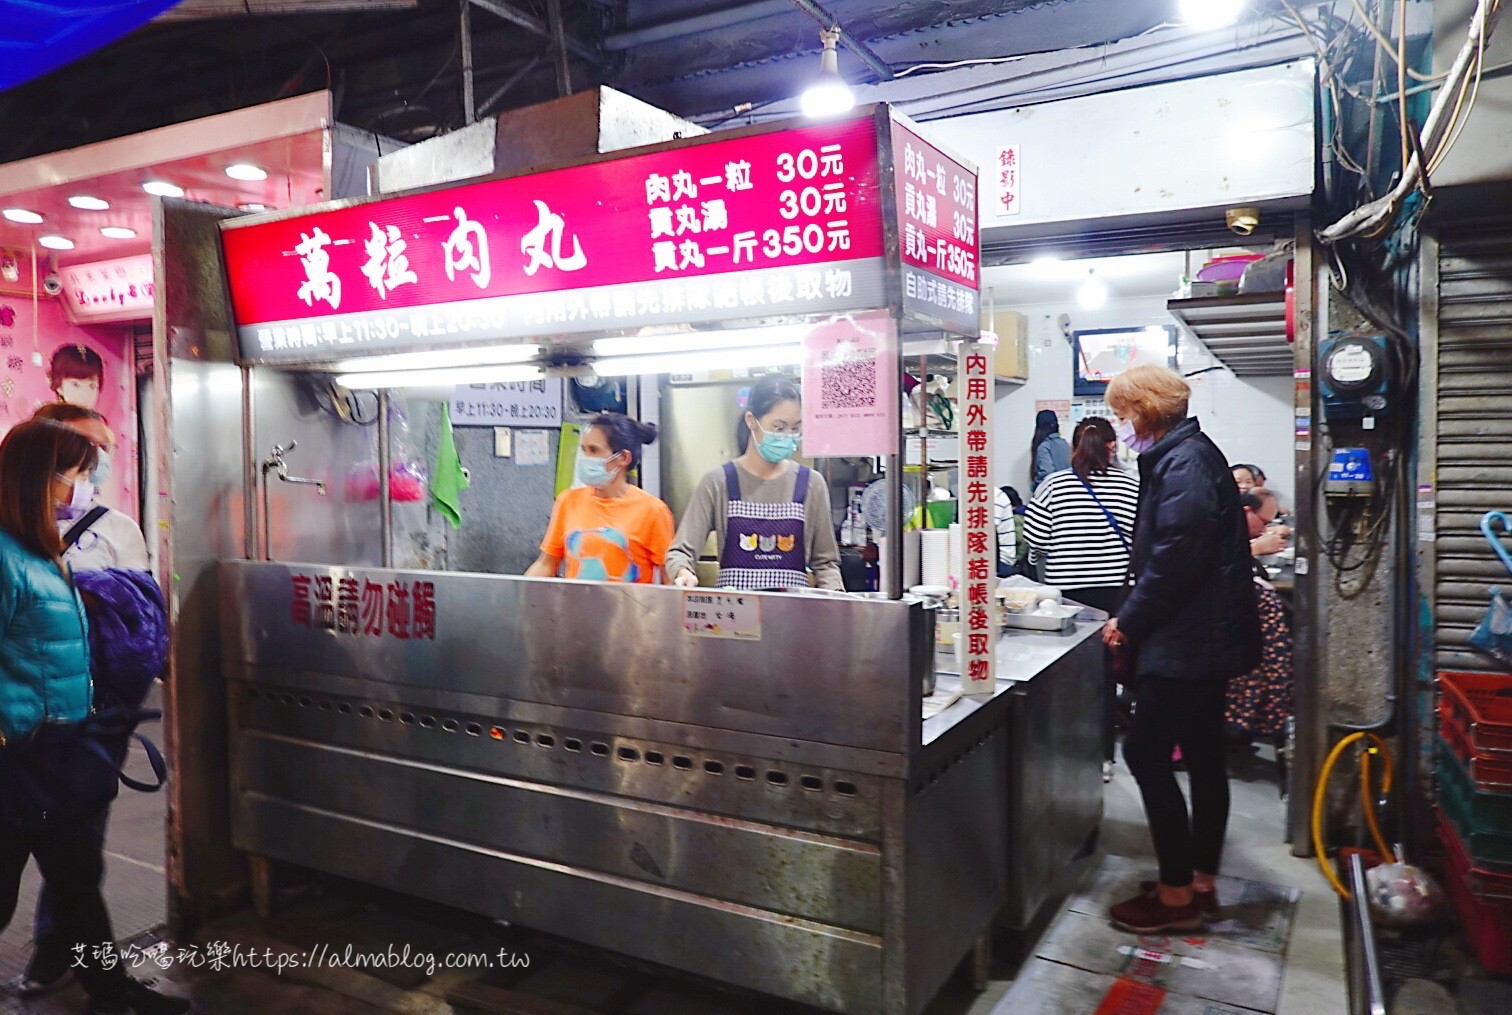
{"x": 1487, "y": 925}
{"x": 1480, "y": 704}
{"x": 1490, "y": 775}
{"x": 1492, "y": 887}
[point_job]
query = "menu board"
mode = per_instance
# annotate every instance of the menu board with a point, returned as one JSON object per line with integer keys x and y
{"x": 937, "y": 210}
{"x": 781, "y": 222}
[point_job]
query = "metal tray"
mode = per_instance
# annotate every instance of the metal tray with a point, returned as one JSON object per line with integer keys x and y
{"x": 1030, "y": 622}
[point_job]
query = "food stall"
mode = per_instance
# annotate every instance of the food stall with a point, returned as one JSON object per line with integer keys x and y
{"x": 791, "y": 792}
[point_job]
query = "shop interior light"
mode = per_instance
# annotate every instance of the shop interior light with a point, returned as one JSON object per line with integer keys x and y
{"x": 1206, "y": 15}
{"x": 508, "y": 373}
{"x": 85, "y": 202}
{"x": 699, "y": 362}
{"x": 1093, "y": 292}
{"x": 162, "y": 188}
{"x": 699, "y": 341}
{"x": 246, "y": 172}
{"x": 828, "y": 95}
{"x": 56, "y": 242}
{"x": 117, "y": 232}
{"x": 437, "y": 359}
{"x": 22, "y": 215}
{"x": 253, "y": 206}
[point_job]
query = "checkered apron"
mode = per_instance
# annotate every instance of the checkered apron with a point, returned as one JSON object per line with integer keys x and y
{"x": 763, "y": 546}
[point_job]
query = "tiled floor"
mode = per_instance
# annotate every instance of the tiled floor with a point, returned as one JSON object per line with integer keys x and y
{"x": 1246, "y": 966}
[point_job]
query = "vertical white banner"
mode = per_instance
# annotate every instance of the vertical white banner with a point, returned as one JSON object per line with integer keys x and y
{"x": 978, "y": 528}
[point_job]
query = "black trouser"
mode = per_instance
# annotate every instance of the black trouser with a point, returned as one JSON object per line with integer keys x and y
{"x": 72, "y": 863}
{"x": 1188, "y": 714}
{"x": 1110, "y": 600}
{"x": 47, "y": 936}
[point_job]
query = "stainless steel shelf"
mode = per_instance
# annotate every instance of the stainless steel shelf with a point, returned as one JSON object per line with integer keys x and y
{"x": 1246, "y": 333}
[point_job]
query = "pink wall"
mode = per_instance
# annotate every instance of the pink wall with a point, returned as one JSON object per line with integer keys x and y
{"x": 25, "y": 355}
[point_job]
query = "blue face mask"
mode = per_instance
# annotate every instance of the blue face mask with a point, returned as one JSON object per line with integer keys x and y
{"x": 777, "y": 447}
{"x": 593, "y": 471}
{"x": 101, "y": 470}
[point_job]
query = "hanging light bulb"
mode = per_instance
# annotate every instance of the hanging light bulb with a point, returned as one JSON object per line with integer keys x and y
{"x": 829, "y": 95}
{"x": 1206, "y": 15}
{"x": 1093, "y": 292}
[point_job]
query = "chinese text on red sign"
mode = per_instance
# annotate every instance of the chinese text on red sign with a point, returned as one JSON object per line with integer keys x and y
{"x": 978, "y": 526}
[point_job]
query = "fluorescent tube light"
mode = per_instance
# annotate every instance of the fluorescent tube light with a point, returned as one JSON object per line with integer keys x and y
{"x": 699, "y": 341}
{"x": 698, "y": 362}
{"x": 435, "y": 359}
{"x": 509, "y": 373}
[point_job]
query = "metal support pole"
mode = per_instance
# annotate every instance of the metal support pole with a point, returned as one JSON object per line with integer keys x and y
{"x": 1366, "y": 969}
{"x": 249, "y": 467}
{"x": 385, "y": 502}
{"x": 1310, "y": 742}
{"x": 559, "y": 46}
{"x": 469, "y": 110}
{"x": 508, "y": 85}
{"x": 896, "y": 523}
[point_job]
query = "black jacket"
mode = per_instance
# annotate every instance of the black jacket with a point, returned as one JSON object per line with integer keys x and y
{"x": 1192, "y": 613}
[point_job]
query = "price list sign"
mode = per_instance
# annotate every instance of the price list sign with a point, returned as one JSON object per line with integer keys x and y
{"x": 978, "y": 552}
{"x": 937, "y": 229}
{"x": 781, "y": 222}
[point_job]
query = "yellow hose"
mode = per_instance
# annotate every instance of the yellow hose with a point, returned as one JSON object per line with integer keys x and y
{"x": 1367, "y": 802}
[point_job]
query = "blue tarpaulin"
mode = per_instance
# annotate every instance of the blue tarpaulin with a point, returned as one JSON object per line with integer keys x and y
{"x": 37, "y": 36}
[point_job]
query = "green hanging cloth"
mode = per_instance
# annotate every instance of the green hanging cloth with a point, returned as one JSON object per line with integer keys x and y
{"x": 567, "y": 448}
{"x": 448, "y": 478}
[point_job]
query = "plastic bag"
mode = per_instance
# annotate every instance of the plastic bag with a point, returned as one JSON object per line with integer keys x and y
{"x": 1493, "y": 635}
{"x": 409, "y": 480}
{"x": 1401, "y": 895}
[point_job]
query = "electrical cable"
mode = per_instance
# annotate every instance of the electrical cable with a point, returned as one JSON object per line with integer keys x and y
{"x": 1366, "y": 218}
{"x": 1403, "y": 121}
{"x": 1385, "y": 43}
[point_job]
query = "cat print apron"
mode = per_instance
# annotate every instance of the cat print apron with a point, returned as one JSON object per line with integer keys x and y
{"x": 763, "y": 546}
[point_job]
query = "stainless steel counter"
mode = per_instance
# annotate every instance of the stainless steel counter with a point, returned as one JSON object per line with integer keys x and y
{"x": 568, "y": 757}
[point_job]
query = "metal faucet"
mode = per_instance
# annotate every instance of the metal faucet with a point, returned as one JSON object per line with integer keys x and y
{"x": 275, "y": 463}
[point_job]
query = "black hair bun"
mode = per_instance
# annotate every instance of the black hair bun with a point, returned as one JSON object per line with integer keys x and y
{"x": 648, "y": 432}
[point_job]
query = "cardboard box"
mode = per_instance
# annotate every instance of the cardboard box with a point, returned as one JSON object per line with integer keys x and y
{"x": 1012, "y": 330}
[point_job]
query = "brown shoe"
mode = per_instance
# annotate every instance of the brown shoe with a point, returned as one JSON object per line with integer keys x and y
{"x": 1146, "y": 914}
{"x": 1205, "y": 901}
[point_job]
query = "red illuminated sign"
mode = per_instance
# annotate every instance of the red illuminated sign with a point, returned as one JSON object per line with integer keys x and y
{"x": 937, "y": 231}
{"x": 783, "y": 222}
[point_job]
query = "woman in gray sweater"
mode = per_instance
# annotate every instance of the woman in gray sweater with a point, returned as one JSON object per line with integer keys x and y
{"x": 770, "y": 516}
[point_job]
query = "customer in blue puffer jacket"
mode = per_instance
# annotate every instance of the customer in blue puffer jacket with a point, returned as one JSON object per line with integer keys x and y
{"x": 44, "y": 678}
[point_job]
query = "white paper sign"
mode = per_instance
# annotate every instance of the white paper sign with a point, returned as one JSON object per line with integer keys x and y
{"x": 532, "y": 447}
{"x": 519, "y": 403}
{"x": 730, "y": 615}
{"x": 1007, "y": 181}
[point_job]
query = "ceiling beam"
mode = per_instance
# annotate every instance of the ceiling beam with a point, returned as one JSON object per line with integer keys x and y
{"x": 500, "y": 9}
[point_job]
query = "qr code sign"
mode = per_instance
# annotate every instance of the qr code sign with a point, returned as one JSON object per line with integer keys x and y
{"x": 849, "y": 385}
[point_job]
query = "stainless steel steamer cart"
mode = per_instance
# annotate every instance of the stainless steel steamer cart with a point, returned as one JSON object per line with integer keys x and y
{"x": 773, "y": 812}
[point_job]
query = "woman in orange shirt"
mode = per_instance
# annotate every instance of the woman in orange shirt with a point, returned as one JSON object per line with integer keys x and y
{"x": 606, "y": 529}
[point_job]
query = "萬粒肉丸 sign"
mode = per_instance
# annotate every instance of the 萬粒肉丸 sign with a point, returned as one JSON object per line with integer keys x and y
{"x": 785, "y": 222}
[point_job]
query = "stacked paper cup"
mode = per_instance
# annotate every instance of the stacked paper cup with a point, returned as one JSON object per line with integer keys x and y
{"x": 955, "y": 555}
{"x": 934, "y": 557}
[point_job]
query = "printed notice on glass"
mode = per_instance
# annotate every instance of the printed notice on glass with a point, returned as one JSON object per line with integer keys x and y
{"x": 978, "y": 549}
{"x": 730, "y": 615}
{"x": 850, "y": 387}
{"x": 518, "y": 403}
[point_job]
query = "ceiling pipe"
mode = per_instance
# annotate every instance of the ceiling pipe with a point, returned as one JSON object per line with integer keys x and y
{"x": 681, "y": 28}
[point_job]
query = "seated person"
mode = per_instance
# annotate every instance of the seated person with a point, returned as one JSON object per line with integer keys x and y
{"x": 1260, "y": 510}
